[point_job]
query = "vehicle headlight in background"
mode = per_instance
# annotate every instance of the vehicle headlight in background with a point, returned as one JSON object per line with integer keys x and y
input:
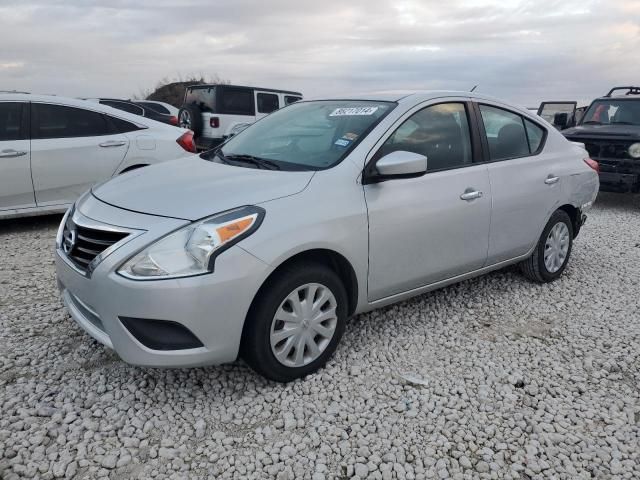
{"x": 192, "y": 249}
{"x": 634, "y": 150}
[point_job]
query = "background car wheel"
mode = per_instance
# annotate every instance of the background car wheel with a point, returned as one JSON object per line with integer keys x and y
{"x": 190, "y": 116}
{"x": 552, "y": 253}
{"x": 295, "y": 323}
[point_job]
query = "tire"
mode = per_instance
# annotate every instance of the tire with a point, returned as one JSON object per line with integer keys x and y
{"x": 273, "y": 300}
{"x": 535, "y": 268}
{"x": 190, "y": 116}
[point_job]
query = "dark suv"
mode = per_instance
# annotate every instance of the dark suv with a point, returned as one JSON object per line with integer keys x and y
{"x": 610, "y": 131}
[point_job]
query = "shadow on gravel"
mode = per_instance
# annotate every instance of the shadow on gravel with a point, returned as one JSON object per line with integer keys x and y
{"x": 618, "y": 201}
{"x": 17, "y": 225}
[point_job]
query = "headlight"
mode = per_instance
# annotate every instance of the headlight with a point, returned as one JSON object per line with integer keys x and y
{"x": 634, "y": 150}
{"x": 192, "y": 249}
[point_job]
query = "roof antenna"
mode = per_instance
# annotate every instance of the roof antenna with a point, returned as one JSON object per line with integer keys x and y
{"x": 474, "y": 88}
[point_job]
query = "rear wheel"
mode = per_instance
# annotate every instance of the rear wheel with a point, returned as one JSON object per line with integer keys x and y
{"x": 295, "y": 324}
{"x": 552, "y": 253}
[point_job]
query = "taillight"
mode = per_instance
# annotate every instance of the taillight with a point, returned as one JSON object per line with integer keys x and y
{"x": 173, "y": 120}
{"x": 186, "y": 141}
{"x": 214, "y": 122}
{"x": 593, "y": 164}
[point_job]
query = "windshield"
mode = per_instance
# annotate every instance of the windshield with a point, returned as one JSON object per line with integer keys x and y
{"x": 305, "y": 135}
{"x": 613, "y": 112}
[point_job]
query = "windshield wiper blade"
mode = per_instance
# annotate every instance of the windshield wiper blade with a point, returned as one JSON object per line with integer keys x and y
{"x": 592, "y": 122}
{"x": 622, "y": 123}
{"x": 257, "y": 161}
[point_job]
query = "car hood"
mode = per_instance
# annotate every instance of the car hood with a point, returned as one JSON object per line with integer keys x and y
{"x": 631, "y": 132}
{"x": 192, "y": 188}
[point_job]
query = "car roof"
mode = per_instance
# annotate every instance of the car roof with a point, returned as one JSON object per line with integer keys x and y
{"x": 87, "y": 104}
{"x": 419, "y": 96}
{"x": 275, "y": 90}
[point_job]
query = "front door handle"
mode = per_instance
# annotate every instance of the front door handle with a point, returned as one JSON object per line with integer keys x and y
{"x": 11, "y": 153}
{"x": 470, "y": 194}
{"x": 112, "y": 143}
{"x": 551, "y": 179}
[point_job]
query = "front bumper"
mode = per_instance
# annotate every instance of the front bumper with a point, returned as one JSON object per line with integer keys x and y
{"x": 212, "y": 307}
{"x": 619, "y": 182}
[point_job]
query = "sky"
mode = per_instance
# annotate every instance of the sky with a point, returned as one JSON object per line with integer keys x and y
{"x": 523, "y": 51}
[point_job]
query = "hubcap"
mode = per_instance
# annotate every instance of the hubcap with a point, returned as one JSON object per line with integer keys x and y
{"x": 303, "y": 325}
{"x": 556, "y": 247}
{"x": 185, "y": 119}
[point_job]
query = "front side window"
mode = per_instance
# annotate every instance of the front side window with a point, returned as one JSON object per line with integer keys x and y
{"x": 58, "y": 121}
{"x": 267, "y": 102}
{"x": 505, "y": 133}
{"x": 11, "y": 127}
{"x": 306, "y": 135}
{"x": 439, "y": 132}
{"x": 613, "y": 112}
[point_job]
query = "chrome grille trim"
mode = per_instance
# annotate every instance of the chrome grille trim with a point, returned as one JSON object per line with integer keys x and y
{"x": 84, "y": 242}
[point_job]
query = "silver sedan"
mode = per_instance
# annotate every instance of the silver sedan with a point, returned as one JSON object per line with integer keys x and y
{"x": 265, "y": 246}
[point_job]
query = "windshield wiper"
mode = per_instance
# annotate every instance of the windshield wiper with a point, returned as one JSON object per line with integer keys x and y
{"x": 622, "y": 123}
{"x": 257, "y": 161}
{"x": 592, "y": 122}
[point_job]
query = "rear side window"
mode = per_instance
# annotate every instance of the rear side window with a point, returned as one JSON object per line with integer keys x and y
{"x": 505, "y": 133}
{"x": 535, "y": 135}
{"x": 236, "y": 101}
{"x": 156, "y": 107}
{"x": 58, "y": 121}
{"x": 124, "y": 106}
{"x": 267, "y": 102}
{"x": 11, "y": 121}
{"x": 123, "y": 126}
{"x": 289, "y": 99}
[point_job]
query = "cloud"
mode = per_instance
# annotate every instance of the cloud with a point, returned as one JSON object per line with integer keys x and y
{"x": 520, "y": 50}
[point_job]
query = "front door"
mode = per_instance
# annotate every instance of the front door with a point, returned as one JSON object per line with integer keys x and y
{"x": 71, "y": 150}
{"x": 16, "y": 187}
{"x": 427, "y": 229}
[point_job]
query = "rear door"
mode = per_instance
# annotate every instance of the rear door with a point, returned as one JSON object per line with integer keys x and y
{"x": 71, "y": 149}
{"x": 16, "y": 187}
{"x": 526, "y": 181}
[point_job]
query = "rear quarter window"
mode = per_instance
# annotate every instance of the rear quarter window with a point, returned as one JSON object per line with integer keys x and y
{"x": 236, "y": 101}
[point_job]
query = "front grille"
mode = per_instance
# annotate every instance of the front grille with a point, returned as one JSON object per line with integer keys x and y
{"x": 82, "y": 244}
{"x": 600, "y": 149}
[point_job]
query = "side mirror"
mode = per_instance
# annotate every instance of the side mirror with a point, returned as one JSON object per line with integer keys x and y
{"x": 398, "y": 164}
{"x": 561, "y": 120}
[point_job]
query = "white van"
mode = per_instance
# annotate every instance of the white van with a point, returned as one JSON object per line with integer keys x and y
{"x": 215, "y": 112}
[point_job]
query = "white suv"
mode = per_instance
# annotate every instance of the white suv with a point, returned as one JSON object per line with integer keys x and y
{"x": 216, "y": 112}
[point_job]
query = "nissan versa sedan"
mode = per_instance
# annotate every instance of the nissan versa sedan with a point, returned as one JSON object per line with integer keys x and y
{"x": 265, "y": 246}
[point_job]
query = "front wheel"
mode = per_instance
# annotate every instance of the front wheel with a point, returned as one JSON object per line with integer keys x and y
{"x": 551, "y": 255}
{"x": 296, "y": 322}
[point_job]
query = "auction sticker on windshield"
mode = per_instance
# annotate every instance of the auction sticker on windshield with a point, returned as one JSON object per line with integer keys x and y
{"x": 348, "y": 111}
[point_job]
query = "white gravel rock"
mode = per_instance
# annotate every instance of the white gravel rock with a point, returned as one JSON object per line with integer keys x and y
{"x": 492, "y": 378}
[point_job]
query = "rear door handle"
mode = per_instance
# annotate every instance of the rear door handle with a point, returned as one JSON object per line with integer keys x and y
{"x": 11, "y": 153}
{"x": 470, "y": 194}
{"x": 551, "y": 179}
{"x": 112, "y": 143}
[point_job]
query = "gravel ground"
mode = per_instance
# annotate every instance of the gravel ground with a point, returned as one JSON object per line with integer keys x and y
{"x": 493, "y": 378}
